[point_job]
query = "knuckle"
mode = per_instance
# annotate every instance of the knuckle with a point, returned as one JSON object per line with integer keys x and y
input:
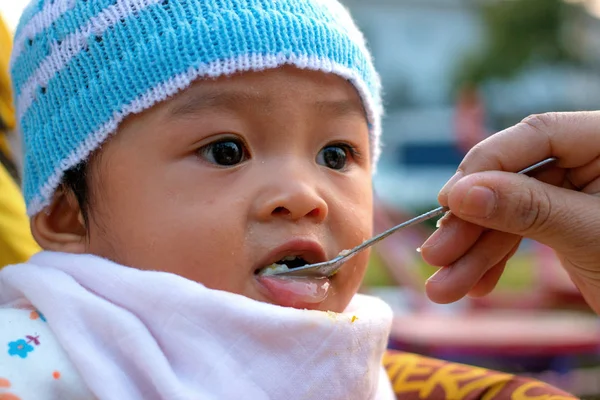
{"x": 533, "y": 211}
{"x": 484, "y": 259}
{"x": 543, "y": 123}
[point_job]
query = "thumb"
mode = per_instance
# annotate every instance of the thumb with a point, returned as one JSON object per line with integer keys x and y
{"x": 563, "y": 219}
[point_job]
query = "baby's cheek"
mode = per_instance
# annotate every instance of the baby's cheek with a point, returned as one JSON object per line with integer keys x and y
{"x": 346, "y": 283}
{"x": 104, "y": 240}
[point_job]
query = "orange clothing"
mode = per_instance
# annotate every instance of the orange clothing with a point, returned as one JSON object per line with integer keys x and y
{"x": 416, "y": 377}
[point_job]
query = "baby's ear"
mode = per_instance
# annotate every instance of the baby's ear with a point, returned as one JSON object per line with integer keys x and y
{"x": 61, "y": 226}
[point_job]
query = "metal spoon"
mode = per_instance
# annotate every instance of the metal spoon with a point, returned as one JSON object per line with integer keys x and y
{"x": 331, "y": 267}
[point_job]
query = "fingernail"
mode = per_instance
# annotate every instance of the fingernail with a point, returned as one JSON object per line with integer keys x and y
{"x": 434, "y": 239}
{"x": 440, "y": 222}
{"x": 480, "y": 202}
{"x": 440, "y": 275}
{"x": 440, "y": 233}
{"x": 451, "y": 182}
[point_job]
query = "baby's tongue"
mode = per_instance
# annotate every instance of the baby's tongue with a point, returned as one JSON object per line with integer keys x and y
{"x": 296, "y": 292}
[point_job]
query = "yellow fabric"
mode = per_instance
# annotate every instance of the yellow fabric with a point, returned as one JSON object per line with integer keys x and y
{"x": 16, "y": 241}
{"x": 4, "y": 145}
{"x": 7, "y": 111}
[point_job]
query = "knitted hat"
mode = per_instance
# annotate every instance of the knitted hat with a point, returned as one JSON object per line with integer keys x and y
{"x": 79, "y": 67}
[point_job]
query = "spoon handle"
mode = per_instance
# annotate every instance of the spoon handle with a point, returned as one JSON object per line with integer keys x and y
{"x": 428, "y": 215}
{"x": 328, "y": 268}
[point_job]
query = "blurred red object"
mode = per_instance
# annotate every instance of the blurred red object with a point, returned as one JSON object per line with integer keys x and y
{"x": 498, "y": 333}
{"x": 470, "y": 118}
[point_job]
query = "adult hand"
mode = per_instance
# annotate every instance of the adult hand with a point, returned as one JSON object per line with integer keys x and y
{"x": 492, "y": 210}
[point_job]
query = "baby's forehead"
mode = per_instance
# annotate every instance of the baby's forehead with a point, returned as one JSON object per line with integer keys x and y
{"x": 266, "y": 91}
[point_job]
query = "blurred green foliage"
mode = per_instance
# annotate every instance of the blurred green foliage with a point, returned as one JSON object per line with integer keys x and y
{"x": 519, "y": 33}
{"x": 518, "y": 276}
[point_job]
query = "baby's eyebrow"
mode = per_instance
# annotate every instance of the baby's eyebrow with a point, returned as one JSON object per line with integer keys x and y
{"x": 196, "y": 101}
{"x": 341, "y": 108}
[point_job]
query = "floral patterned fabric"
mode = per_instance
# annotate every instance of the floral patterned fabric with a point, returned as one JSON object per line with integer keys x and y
{"x": 33, "y": 365}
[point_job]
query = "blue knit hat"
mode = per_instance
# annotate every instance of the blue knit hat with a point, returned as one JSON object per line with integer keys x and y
{"x": 79, "y": 67}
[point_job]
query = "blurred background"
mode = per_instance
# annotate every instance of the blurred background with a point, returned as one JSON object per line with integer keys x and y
{"x": 455, "y": 72}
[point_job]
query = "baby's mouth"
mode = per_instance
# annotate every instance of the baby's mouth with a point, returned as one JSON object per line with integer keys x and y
{"x": 285, "y": 264}
{"x": 298, "y": 292}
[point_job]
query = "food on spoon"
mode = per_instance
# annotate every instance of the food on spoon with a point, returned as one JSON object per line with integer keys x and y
{"x": 283, "y": 265}
{"x": 344, "y": 252}
{"x": 274, "y": 269}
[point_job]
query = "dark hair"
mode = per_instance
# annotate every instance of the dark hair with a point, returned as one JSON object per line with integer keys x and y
{"x": 75, "y": 180}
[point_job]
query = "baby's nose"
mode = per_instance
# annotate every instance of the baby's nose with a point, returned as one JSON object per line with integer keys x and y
{"x": 293, "y": 200}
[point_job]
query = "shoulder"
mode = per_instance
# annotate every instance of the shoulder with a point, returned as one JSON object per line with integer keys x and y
{"x": 33, "y": 365}
{"x": 418, "y": 377}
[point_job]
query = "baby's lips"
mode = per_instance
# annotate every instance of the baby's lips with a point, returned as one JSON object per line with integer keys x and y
{"x": 296, "y": 292}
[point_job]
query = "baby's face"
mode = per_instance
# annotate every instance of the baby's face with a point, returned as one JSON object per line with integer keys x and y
{"x": 234, "y": 174}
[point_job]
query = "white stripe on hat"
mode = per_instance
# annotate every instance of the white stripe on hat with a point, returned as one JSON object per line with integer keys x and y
{"x": 40, "y": 21}
{"x": 72, "y": 45}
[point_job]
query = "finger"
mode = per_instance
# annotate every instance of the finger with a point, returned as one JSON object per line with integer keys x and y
{"x": 552, "y": 175}
{"x": 584, "y": 177}
{"x": 526, "y": 207}
{"x": 571, "y": 137}
{"x": 453, "y": 239}
{"x": 455, "y": 236}
{"x": 451, "y": 283}
{"x": 489, "y": 281}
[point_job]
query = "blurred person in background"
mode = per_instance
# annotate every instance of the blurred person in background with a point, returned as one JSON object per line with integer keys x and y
{"x": 469, "y": 118}
{"x": 16, "y": 242}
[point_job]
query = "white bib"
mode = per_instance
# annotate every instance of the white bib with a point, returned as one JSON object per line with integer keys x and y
{"x": 146, "y": 335}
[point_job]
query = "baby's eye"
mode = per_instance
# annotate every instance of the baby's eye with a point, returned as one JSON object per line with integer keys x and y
{"x": 334, "y": 156}
{"x": 225, "y": 152}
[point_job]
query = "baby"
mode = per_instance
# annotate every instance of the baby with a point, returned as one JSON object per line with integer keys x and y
{"x": 174, "y": 149}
